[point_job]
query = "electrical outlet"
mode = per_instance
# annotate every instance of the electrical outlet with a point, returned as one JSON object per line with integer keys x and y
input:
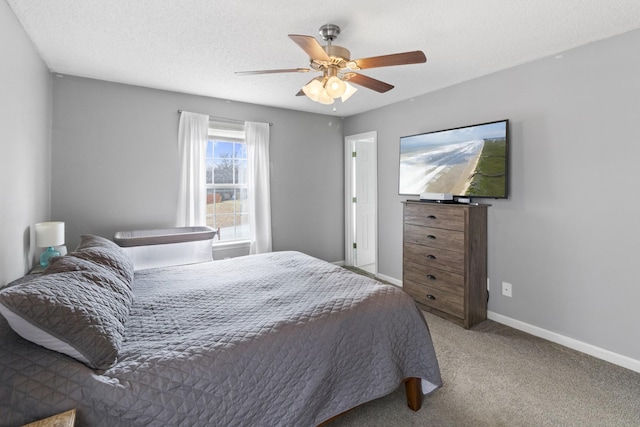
{"x": 506, "y": 289}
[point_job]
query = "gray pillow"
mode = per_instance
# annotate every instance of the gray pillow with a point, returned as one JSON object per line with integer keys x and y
{"x": 105, "y": 253}
{"x": 78, "y": 313}
{"x": 62, "y": 264}
{"x": 93, "y": 241}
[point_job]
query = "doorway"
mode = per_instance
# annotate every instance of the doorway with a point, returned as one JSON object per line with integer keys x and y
{"x": 361, "y": 193}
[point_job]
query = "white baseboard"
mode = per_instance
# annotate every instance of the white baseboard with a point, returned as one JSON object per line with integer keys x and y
{"x": 592, "y": 350}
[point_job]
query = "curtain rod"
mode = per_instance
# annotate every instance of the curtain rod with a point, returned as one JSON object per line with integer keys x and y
{"x": 225, "y": 118}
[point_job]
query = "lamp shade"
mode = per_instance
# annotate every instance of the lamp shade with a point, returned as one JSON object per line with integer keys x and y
{"x": 313, "y": 89}
{"x": 325, "y": 98}
{"x": 335, "y": 87}
{"x": 49, "y": 234}
{"x": 349, "y": 90}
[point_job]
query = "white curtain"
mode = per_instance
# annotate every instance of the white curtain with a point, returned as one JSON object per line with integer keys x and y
{"x": 192, "y": 192}
{"x": 257, "y": 138}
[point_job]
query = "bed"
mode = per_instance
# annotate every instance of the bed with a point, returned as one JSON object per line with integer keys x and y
{"x": 273, "y": 339}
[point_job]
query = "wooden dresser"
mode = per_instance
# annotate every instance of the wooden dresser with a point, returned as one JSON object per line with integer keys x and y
{"x": 444, "y": 264}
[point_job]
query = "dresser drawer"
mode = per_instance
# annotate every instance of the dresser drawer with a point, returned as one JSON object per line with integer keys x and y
{"x": 434, "y": 257}
{"x": 451, "y": 240}
{"x": 435, "y": 298}
{"x": 439, "y": 279}
{"x": 438, "y": 216}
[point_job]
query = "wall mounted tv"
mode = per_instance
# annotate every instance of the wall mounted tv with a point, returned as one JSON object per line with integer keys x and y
{"x": 469, "y": 161}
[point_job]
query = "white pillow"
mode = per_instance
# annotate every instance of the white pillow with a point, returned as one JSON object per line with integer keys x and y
{"x": 36, "y": 335}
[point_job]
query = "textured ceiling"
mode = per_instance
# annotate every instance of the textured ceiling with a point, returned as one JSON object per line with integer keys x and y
{"x": 194, "y": 46}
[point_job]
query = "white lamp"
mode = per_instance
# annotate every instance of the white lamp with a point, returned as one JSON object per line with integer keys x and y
{"x": 48, "y": 235}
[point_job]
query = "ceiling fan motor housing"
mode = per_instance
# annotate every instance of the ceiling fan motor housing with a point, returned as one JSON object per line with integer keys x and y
{"x": 329, "y": 32}
{"x": 338, "y": 54}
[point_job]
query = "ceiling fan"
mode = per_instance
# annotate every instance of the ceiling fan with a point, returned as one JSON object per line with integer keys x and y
{"x": 337, "y": 67}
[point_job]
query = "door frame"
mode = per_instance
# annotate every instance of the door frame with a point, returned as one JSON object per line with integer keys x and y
{"x": 349, "y": 183}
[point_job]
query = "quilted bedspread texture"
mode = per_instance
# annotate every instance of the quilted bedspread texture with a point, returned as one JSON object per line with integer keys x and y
{"x": 278, "y": 339}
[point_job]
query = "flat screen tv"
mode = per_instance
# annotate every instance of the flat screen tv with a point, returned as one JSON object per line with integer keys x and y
{"x": 469, "y": 161}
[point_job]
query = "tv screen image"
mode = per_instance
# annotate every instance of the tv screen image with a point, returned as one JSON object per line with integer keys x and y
{"x": 469, "y": 161}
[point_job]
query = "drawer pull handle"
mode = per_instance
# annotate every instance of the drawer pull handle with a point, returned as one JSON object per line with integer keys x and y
{"x": 431, "y": 236}
{"x": 432, "y": 217}
{"x": 431, "y": 297}
{"x": 431, "y": 277}
{"x": 431, "y": 256}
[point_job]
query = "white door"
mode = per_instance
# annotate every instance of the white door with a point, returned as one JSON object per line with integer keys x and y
{"x": 361, "y": 200}
{"x": 365, "y": 197}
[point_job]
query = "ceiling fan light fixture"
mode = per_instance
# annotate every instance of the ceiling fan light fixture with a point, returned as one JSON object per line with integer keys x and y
{"x": 349, "y": 90}
{"x": 325, "y": 98}
{"x": 313, "y": 89}
{"x": 335, "y": 87}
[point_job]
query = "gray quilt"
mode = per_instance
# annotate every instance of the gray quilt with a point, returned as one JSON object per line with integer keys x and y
{"x": 279, "y": 339}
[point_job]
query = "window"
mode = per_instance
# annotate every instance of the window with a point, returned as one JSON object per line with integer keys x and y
{"x": 226, "y": 182}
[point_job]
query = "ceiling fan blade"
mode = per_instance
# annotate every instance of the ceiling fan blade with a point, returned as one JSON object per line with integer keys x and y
{"x": 369, "y": 83}
{"x": 311, "y": 46}
{"x": 415, "y": 57}
{"x": 284, "y": 70}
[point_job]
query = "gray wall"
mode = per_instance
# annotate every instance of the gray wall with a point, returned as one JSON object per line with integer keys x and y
{"x": 115, "y": 163}
{"x": 567, "y": 237}
{"x": 25, "y": 146}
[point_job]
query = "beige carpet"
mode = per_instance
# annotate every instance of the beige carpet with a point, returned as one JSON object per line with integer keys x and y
{"x": 497, "y": 376}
